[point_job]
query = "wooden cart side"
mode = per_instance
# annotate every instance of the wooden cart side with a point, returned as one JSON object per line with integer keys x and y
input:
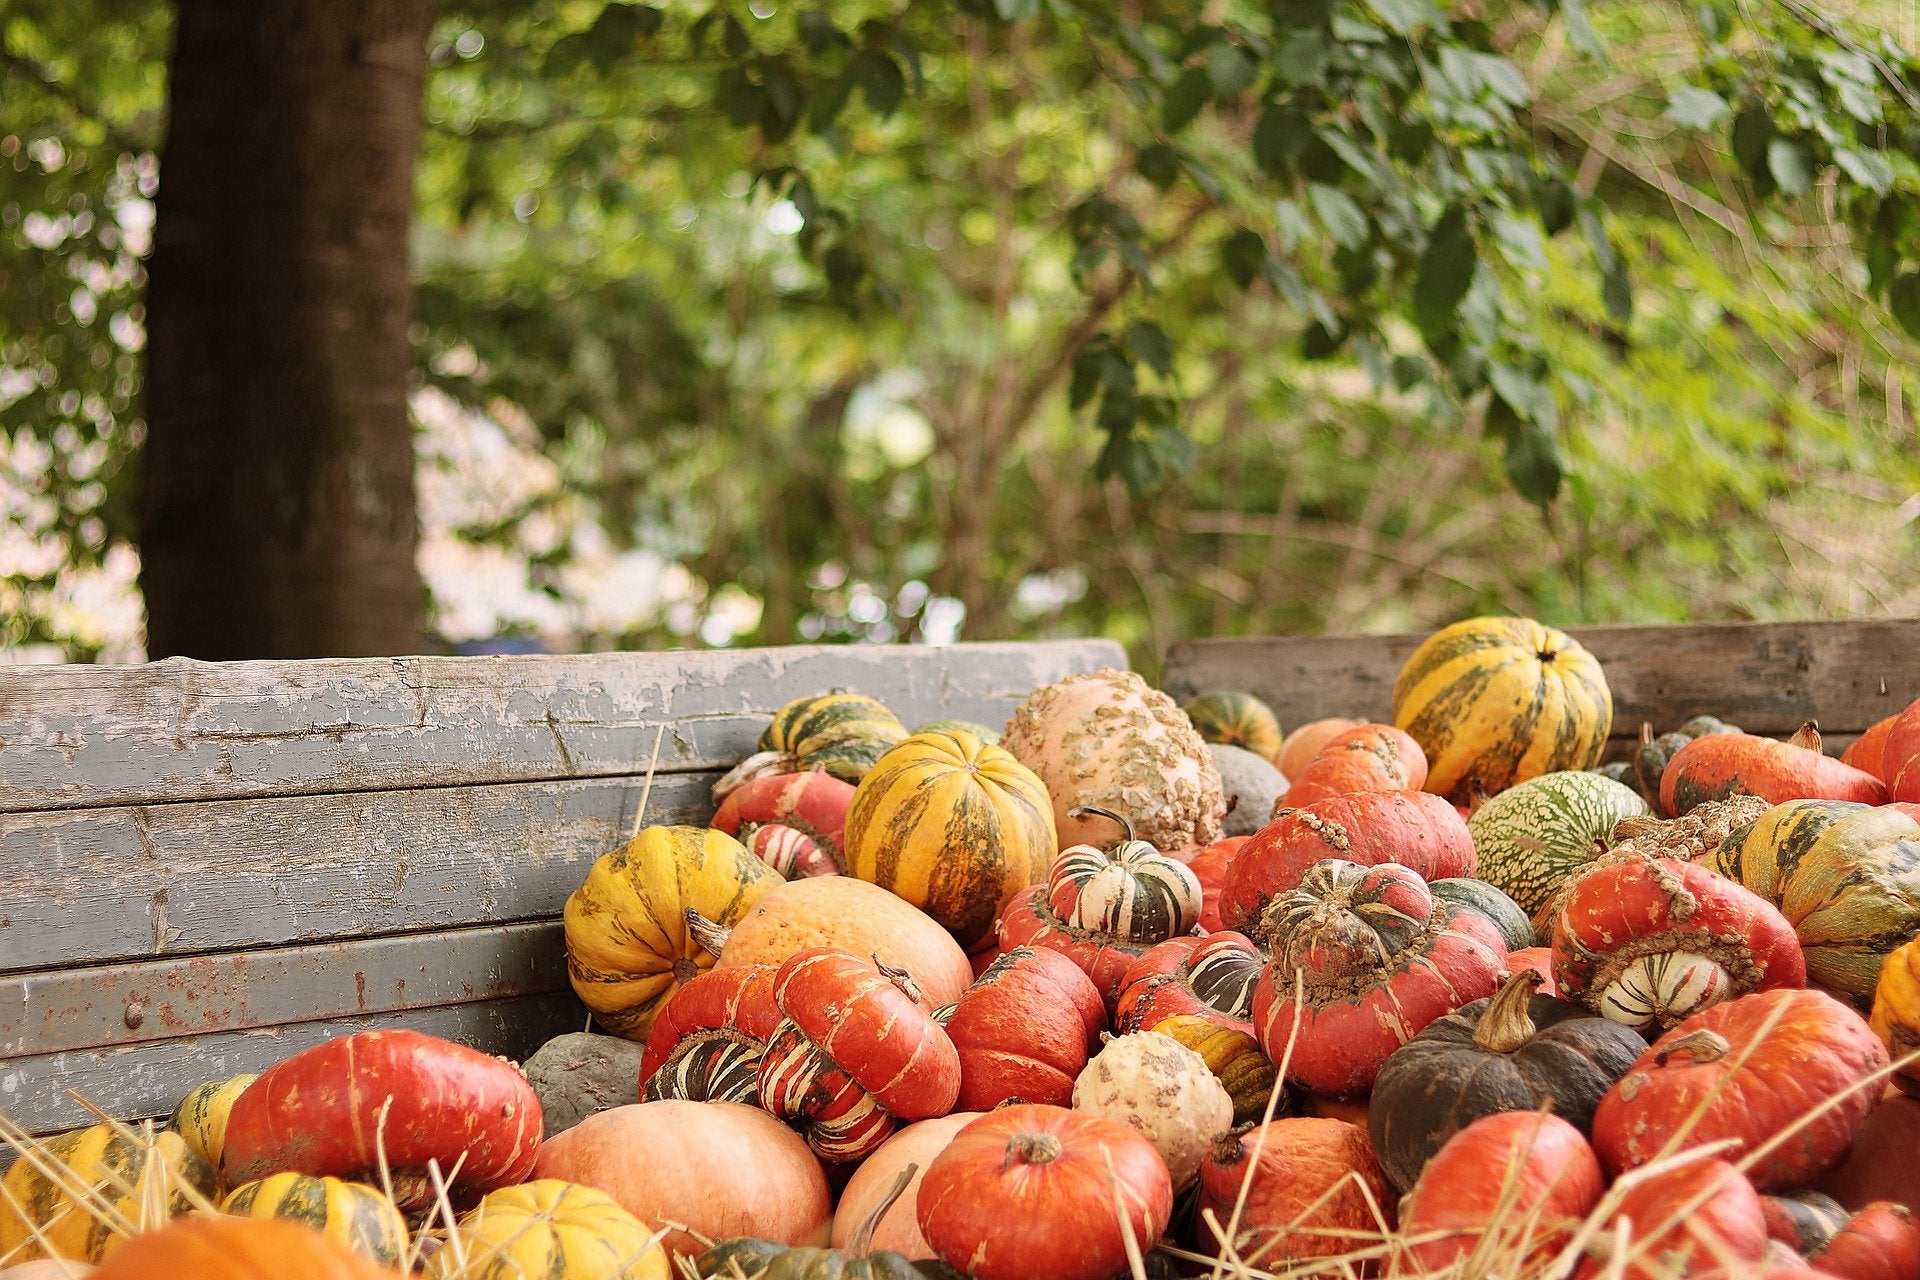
{"x": 206, "y": 867}
{"x": 1767, "y": 677}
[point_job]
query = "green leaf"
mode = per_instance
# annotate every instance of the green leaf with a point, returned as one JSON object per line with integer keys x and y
{"x": 1351, "y": 30}
{"x": 1790, "y": 166}
{"x": 1184, "y": 100}
{"x": 1580, "y": 32}
{"x": 818, "y": 33}
{"x": 1148, "y": 343}
{"x": 1692, "y": 107}
{"x": 1230, "y": 70}
{"x": 1337, "y": 211}
{"x": 1277, "y": 139}
{"x": 1504, "y": 79}
{"x": 1017, "y": 10}
{"x": 1243, "y": 254}
{"x": 1159, "y": 164}
{"x": 1903, "y": 299}
{"x": 1520, "y": 242}
{"x": 1752, "y": 131}
{"x": 1410, "y": 371}
{"x": 1556, "y": 201}
{"x": 1318, "y": 342}
{"x": 1303, "y": 57}
{"x": 1203, "y": 177}
{"x": 733, "y": 38}
{"x": 738, "y": 96}
{"x": 1402, "y": 16}
{"x": 828, "y": 101}
{"x": 1529, "y": 398}
{"x": 1534, "y": 464}
{"x": 881, "y": 81}
{"x": 1597, "y": 240}
{"x": 1616, "y": 291}
{"x": 1868, "y": 168}
{"x": 1293, "y": 227}
{"x": 1088, "y": 363}
{"x": 1446, "y": 271}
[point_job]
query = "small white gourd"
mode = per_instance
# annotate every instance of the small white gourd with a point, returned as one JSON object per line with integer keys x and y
{"x": 1164, "y": 1091}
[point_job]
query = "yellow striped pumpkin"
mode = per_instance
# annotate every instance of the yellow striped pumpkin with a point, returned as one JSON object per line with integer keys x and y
{"x": 843, "y": 733}
{"x": 552, "y": 1230}
{"x": 954, "y": 826}
{"x": 628, "y": 948}
{"x": 1496, "y": 701}
{"x": 201, "y": 1117}
{"x": 95, "y": 1168}
{"x": 1237, "y": 719}
{"x": 351, "y": 1213}
{"x": 1234, "y": 1057}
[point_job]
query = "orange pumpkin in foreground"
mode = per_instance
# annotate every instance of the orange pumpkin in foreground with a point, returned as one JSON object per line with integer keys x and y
{"x": 899, "y": 1228}
{"x": 1313, "y": 1190}
{"x": 221, "y": 1248}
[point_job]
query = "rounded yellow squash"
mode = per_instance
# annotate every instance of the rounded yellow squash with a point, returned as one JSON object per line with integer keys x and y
{"x": 628, "y": 948}
{"x": 1496, "y": 701}
{"x": 81, "y": 1181}
{"x": 553, "y": 1230}
{"x": 201, "y": 1117}
{"x": 955, "y": 826}
{"x": 352, "y": 1213}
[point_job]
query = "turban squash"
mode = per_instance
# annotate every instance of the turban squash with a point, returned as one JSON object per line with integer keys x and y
{"x": 1236, "y": 719}
{"x": 1495, "y": 701}
{"x": 1210, "y": 977}
{"x": 1024, "y": 1029}
{"x": 1719, "y": 765}
{"x": 1368, "y": 757}
{"x": 706, "y": 1044}
{"x": 1131, "y": 890}
{"x": 796, "y": 823}
{"x": 1030, "y": 921}
{"x": 201, "y": 1117}
{"x": 842, "y": 733}
{"x": 954, "y": 826}
{"x": 1234, "y": 1057}
{"x": 1650, "y": 758}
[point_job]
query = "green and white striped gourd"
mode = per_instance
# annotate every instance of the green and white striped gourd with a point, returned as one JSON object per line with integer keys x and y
{"x": 1530, "y": 837}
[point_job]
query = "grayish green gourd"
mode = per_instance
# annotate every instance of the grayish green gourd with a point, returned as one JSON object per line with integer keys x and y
{"x": 1532, "y": 836}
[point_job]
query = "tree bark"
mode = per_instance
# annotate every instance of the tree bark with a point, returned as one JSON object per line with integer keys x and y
{"x": 277, "y": 504}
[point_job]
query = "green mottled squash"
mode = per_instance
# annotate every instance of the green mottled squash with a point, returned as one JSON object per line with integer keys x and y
{"x": 1846, "y": 875}
{"x": 1620, "y": 771}
{"x": 1530, "y": 838}
{"x": 201, "y": 1117}
{"x": 352, "y": 1213}
{"x": 1481, "y": 897}
{"x": 1649, "y": 762}
{"x": 1236, "y": 719}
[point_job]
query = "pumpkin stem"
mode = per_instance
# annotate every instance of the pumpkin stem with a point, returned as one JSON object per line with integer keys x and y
{"x": 1031, "y": 1148}
{"x": 1505, "y": 1026}
{"x": 1703, "y": 1046}
{"x": 862, "y": 1242}
{"x": 710, "y": 935}
{"x": 1227, "y": 1148}
{"x": 1807, "y": 735}
{"x": 1125, "y": 823}
{"x": 901, "y": 979}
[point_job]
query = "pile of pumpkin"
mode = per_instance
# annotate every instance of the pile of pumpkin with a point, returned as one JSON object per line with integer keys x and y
{"x": 1459, "y": 1000}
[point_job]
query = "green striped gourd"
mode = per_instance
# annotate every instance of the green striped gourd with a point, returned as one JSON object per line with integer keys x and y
{"x": 1650, "y": 758}
{"x": 843, "y": 733}
{"x": 351, "y": 1213}
{"x": 201, "y": 1117}
{"x": 46, "y": 1207}
{"x": 1235, "y": 719}
{"x": 1479, "y": 896}
{"x": 1532, "y": 836}
{"x": 989, "y": 736}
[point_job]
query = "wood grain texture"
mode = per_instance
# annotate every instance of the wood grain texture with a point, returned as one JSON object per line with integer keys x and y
{"x": 1767, "y": 677}
{"x": 120, "y": 1004}
{"x": 181, "y": 730}
{"x": 103, "y": 885}
{"x": 137, "y": 1081}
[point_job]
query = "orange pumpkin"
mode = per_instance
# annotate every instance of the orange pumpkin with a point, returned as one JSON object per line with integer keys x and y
{"x": 1527, "y": 1176}
{"x": 1304, "y": 743}
{"x": 1313, "y": 1187}
{"x": 1879, "y": 1164}
{"x": 1900, "y": 756}
{"x": 1209, "y": 867}
{"x": 1697, "y": 1219}
{"x": 1881, "y": 1242}
{"x": 1372, "y": 757}
{"x": 899, "y": 1230}
{"x": 222, "y": 1248}
{"x": 1867, "y": 752}
{"x": 1744, "y": 764}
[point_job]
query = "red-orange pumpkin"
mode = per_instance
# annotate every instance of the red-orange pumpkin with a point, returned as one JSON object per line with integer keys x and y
{"x": 1103, "y": 957}
{"x": 1695, "y": 1219}
{"x": 1867, "y": 752}
{"x": 1412, "y": 828}
{"x": 1209, "y": 867}
{"x": 1304, "y": 743}
{"x": 209, "y": 1247}
{"x": 1900, "y": 757}
{"x": 1743, "y": 764}
{"x": 1816, "y": 1050}
{"x": 1538, "y": 959}
{"x": 1881, "y": 1242}
{"x": 794, "y": 822}
{"x": 1372, "y": 757}
{"x": 1526, "y": 1176}
{"x": 1313, "y": 1190}
{"x": 1024, "y": 1029}
{"x": 1031, "y": 1191}
{"x": 1210, "y": 977}
{"x": 710, "y": 1035}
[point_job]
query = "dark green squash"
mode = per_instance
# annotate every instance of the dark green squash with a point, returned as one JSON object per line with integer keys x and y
{"x": 1481, "y": 897}
{"x": 1620, "y": 771}
{"x": 1649, "y": 762}
{"x": 1803, "y": 1220}
{"x": 1511, "y": 1052}
{"x": 744, "y": 1258}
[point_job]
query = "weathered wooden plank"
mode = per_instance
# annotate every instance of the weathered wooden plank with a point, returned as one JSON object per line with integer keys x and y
{"x": 85, "y": 886}
{"x": 1767, "y": 677}
{"x": 137, "y": 1081}
{"x": 98, "y": 1006}
{"x": 185, "y": 730}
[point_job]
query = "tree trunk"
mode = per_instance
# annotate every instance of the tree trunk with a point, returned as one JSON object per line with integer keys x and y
{"x": 277, "y": 506}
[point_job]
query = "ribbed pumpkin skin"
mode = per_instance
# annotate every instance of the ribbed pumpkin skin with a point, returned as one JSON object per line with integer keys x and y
{"x": 954, "y": 826}
{"x": 1881, "y": 1242}
{"x": 216, "y": 1247}
{"x": 1846, "y": 876}
{"x": 1132, "y": 890}
{"x": 1104, "y": 957}
{"x": 1698, "y": 1219}
{"x": 1513, "y": 1170}
{"x": 1495, "y": 701}
{"x": 1744, "y": 764}
{"x": 843, "y": 733}
{"x": 352, "y": 1213}
{"x": 795, "y": 822}
{"x": 553, "y": 1230}
{"x": 738, "y": 998}
{"x": 1503, "y": 912}
{"x": 1235, "y": 1059}
{"x": 1368, "y": 757}
{"x": 97, "y": 1157}
{"x": 1313, "y": 1188}
{"x": 1867, "y": 752}
{"x": 1024, "y": 1029}
{"x": 201, "y": 1117}
{"x": 1237, "y": 719}
{"x": 628, "y": 947}
{"x": 1896, "y": 1011}
{"x": 1211, "y": 978}
{"x": 1209, "y": 867}
{"x": 1530, "y": 837}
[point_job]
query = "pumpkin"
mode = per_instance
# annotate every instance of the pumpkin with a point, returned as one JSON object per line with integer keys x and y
{"x": 1104, "y": 957}
{"x": 953, "y": 826}
{"x": 1211, "y": 977}
{"x": 1030, "y": 1191}
{"x": 1701, "y": 1218}
{"x": 1312, "y": 1190}
{"x": 1896, "y": 1011}
{"x": 842, "y": 733}
{"x": 216, "y": 1247}
{"x": 1236, "y": 1061}
{"x": 1496, "y": 701}
{"x": 707, "y": 1042}
{"x": 687, "y": 1164}
{"x": 201, "y": 1117}
{"x": 1900, "y": 755}
{"x": 1305, "y": 742}
{"x": 974, "y": 727}
{"x": 1868, "y": 752}
{"x": 1803, "y": 1220}
{"x": 796, "y": 823}
{"x": 1650, "y": 758}
{"x": 1649, "y": 941}
{"x": 1373, "y": 958}
{"x": 1371, "y": 757}
{"x": 839, "y": 911}
{"x": 853, "y": 1052}
{"x": 1024, "y": 1029}
{"x": 628, "y": 945}
{"x": 1106, "y": 739}
{"x": 1252, "y": 785}
{"x": 1748, "y": 1070}
{"x": 342, "y": 1107}
{"x": 1520, "y": 1177}
{"x": 1414, "y": 829}
{"x": 1236, "y": 719}
{"x": 1209, "y": 867}
{"x": 1515, "y": 1052}
{"x": 1163, "y": 1091}
{"x": 553, "y": 1229}
{"x": 1620, "y": 771}
{"x": 1132, "y": 890}
{"x": 1881, "y": 1242}
{"x": 1880, "y": 1165}
{"x": 856, "y": 1260}
{"x": 50, "y": 1199}
{"x": 353, "y": 1213}
{"x": 580, "y": 1072}
{"x": 1745, "y": 764}
{"x": 1537, "y": 961}
{"x": 897, "y": 1228}
{"x": 1847, "y": 876}
{"x": 1531, "y": 837}
{"x": 1500, "y": 911}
